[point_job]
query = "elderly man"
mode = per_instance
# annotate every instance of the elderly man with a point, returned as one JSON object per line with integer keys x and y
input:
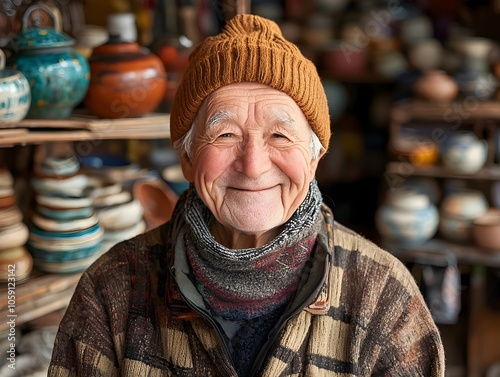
{"x": 251, "y": 276}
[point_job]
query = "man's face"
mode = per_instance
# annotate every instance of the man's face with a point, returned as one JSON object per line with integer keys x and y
{"x": 251, "y": 159}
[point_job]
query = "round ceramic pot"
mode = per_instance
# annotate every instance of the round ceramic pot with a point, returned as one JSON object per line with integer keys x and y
{"x": 458, "y": 210}
{"x": 58, "y": 75}
{"x": 464, "y": 153}
{"x": 15, "y": 95}
{"x": 436, "y": 86}
{"x": 126, "y": 81}
{"x": 486, "y": 230}
{"x": 407, "y": 217}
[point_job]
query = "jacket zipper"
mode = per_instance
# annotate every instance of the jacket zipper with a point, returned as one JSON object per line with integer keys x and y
{"x": 216, "y": 327}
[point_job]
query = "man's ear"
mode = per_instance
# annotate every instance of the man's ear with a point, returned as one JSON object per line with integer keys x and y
{"x": 314, "y": 164}
{"x": 187, "y": 167}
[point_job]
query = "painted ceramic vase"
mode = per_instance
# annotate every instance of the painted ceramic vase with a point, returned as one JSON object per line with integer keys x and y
{"x": 464, "y": 152}
{"x": 126, "y": 81}
{"x": 407, "y": 217}
{"x": 15, "y": 95}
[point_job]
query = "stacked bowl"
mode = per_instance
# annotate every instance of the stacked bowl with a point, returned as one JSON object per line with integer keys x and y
{"x": 65, "y": 235}
{"x": 15, "y": 261}
{"x": 119, "y": 214}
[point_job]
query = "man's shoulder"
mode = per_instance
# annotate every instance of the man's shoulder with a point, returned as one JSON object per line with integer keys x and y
{"x": 353, "y": 250}
{"x": 129, "y": 255}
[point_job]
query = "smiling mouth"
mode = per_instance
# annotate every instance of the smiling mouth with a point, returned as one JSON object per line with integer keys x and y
{"x": 251, "y": 189}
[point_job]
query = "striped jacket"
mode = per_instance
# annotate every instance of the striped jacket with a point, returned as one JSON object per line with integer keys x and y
{"x": 358, "y": 312}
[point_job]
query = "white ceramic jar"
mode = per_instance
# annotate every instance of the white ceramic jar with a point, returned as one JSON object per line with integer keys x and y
{"x": 464, "y": 152}
{"x": 15, "y": 95}
{"x": 407, "y": 216}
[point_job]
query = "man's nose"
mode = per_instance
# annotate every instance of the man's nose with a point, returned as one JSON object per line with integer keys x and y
{"x": 254, "y": 159}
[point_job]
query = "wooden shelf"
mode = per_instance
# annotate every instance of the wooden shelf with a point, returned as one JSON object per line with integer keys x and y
{"x": 41, "y": 294}
{"x": 82, "y": 127}
{"x": 451, "y": 113}
{"x": 465, "y": 253}
{"x": 406, "y": 169}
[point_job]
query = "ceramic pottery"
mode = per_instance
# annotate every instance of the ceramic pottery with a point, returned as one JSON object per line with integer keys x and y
{"x": 15, "y": 95}
{"x": 464, "y": 153}
{"x": 58, "y": 75}
{"x": 175, "y": 178}
{"x": 60, "y": 166}
{"x": 14, "y": 235}
{"x": 157, "y": 199}
{"x": 122, "y": 216}
{"x": 19, "y": 257}
{"x": 458, "y": 210}
{"x": 126, "y": 81}
{"x": 486, "y": 230}
{"x": 407, "y": 217}
{"x": 436, "y": 86}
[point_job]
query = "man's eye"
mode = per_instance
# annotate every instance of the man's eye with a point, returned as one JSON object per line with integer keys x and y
{"x": 225, "y": 135}
{"x": 278, "y": 136}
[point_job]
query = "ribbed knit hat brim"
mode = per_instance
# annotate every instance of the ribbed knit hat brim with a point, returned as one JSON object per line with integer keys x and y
{"x": 250, "y": 49}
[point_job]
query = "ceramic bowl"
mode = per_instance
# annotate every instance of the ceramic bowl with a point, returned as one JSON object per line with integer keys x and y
{"x": 66, "y": 267}
{"x": 122, "y": 216}
{"x": 10, "y": 215}
{"x": 74, "y": 185}
{"x": 13, "y": 236}
{"x": 67, "y": 244}
{"x": 465, "y": 203}
{"x": 64, "y": 214}
{"x": 20, "y": 258}
{"x": 486, "y": 230}
{"x": 60, "y": 166}
{"x": 112, "y": 199}
{"x": 175, "y": 179}
{"x": 69, "y": 255}
{"x": 75, "y": 237}
{"x": 157, "y": 199}
{"x": 64, "y": 201}
{"x": 112, "y": 237}
{"x": 63, "y": 225}
{"x": 7, "y": 201}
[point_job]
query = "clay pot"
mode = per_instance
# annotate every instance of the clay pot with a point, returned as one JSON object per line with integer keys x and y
{"x": 157, "y": 199}
{"x": 486, "y": 230}
{"x": 126, "y": 81}
{"x": 436, "y": 86}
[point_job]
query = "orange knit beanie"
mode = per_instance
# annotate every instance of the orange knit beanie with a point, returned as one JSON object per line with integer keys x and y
{"x": 250, "y": 49}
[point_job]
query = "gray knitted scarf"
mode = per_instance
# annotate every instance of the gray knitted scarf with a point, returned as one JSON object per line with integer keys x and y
{"x": 248, "y": 283}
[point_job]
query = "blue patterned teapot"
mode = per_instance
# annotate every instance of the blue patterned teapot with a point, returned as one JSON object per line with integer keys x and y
{"x": 58, "y": 75}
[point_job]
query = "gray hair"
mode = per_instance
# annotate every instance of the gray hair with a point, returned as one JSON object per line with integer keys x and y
{"x": 185, "y": 143}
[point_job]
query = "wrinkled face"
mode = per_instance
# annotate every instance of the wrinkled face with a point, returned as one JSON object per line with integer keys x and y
{"x": 251, "y": 159}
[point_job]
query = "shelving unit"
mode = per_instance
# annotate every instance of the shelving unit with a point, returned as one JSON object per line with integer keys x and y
{"x": 483, "y": 118}
{"x": 44, "y": 293}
